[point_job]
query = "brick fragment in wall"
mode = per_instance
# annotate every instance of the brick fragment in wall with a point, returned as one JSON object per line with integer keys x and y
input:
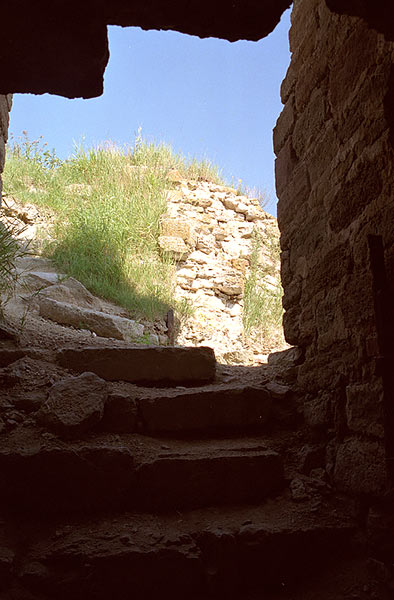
{"x": 364, "y": 408}
{"x": 288, "y": 84}
{"x": 310, "y": 121}
{"x": 328, "y": 268}
{"x": 303, "y": 32}
{"x": 322, "y": 153}
{"x": 291, "y": 326}
{"x": 284, "y": 126}
{"x": 293, "y": 293}
{"x": 311, "y": 76}
{"x": 284, "y": 166}
{"x": 369, "y": 124}
{"x": 364, "y": 186}
{"x": 294, "y": 196}
{"x": 357, "y": 52}
{"x": 2, "y": 153}
{"x": 360, "y": 467}
{"x": 4, "y": 117}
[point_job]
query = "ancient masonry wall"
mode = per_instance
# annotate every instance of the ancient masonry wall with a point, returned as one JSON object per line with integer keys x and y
{"x": 5, "y": 107}
{"x": 335, "y": 182}
{"x": 211, "y": 232}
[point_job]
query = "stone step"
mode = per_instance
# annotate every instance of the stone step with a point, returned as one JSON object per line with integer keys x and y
{"x": 43, "y": 474}
{"x": 212, "y": 553}
{"x": 158, "y": 365}
{"x": 207, "y": 410}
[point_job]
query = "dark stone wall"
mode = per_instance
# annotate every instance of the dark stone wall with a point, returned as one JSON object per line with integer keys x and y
{"x": 61, "y": 47}
{"x": 5, "y": 107}
{"x": 335, "y": 181}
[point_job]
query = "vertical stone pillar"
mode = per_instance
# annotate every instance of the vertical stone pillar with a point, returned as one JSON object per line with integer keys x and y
{"x": 335, "y": 182}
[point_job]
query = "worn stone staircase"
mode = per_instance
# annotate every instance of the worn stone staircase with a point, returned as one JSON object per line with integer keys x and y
{"x": 179, "y": 491}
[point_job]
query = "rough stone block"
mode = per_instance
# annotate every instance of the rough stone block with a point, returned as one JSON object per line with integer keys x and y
{"x": 284, "y": 126}
{"x": 174, "y": 246}
{"x": 149, "y": 365}
{"x": 2, "y": 153}
{"x": 227, "y": 477}
{"x": 284, "y": 166}
{"x": 310, "y": 76}
{"x": 45, "y": 477}
{"x": 120, "y": 414}
{"x": 103, "y": 324}
{"x": 288, "y": 84}
{"x": 74, "y": 405}
{"x": 357, "y": 53}
{"x": 229, "y": 407}
{"x": 360, "y": 467}
{"x": 4, "y": 117}
{"x": 175, "y": 227}
{"x": 364, "y": 408}
{"x": 294, "y": 196}
{"x": 310, "y": 122}
{"x": 362, "y": 187}
{"x": 318, "y": 412}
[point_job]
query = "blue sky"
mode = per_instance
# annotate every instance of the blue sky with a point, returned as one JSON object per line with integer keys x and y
{"x": 207, "y": 98}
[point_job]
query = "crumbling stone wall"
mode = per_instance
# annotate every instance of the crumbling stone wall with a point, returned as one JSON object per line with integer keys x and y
{"x": 335, "y": 182}
{"x": 212, "y": 232}
{"x": 5, "y": 107}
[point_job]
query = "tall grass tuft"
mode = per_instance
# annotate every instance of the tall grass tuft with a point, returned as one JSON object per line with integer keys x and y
{"x": 108, "y": 201}
{"x": 10, "y": 251}
{"x": 263, "y": 311}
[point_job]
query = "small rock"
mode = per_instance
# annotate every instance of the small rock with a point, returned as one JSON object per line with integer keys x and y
{"x": 277, "y": 390}
{"x": 286, "y": 358}
{"x": 8, "y": 333}
{"x": 298, "y": 490}
{"x": 103, "y": 324}
{"x": 74, "y": 405}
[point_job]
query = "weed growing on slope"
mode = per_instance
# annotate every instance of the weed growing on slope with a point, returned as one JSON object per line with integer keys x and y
{"x": 263, "y": 312}
{"x": 108, "y": 201}
{"x": 10, "y": 251}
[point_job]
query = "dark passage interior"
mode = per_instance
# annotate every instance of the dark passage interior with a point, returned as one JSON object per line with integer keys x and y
{"x": 174, "y": 476}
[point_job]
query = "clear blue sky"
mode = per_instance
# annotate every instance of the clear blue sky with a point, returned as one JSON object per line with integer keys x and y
{"x": 207, "y": 98}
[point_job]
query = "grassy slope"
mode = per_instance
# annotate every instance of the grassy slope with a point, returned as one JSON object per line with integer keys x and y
{"x": 108, "y": 202}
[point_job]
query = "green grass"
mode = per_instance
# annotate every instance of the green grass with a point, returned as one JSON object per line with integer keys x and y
{"x": 263, "y": 311}
{"x": 10, "y": 251}
{"x": 108, "y": 202}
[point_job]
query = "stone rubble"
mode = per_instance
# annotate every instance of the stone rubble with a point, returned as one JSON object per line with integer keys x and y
{"x": 209, "y": 230}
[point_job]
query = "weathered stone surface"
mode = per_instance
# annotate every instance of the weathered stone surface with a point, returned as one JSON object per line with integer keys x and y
{"x": 170, "y": 554}
{"x": 37, "y": 474}
{"x": 215, "y": 253}
{"x": 318, "y": 411}
{"x": 143, "y": 365}
{"x": 8, "y": 333}
{"x": 196, "y": 480}
{"x": 120, "y": 413}
{"x": 102, "y": 324}
{"x": 334, "y": 182}
{"x": 228, "y": 407}
{"x": 8, "y": 356}
{"x": 290, "y": 357}
{"x": 37, "y": 280}
{"x": 175, "y": 246}
{"x": 71, "y": 291}
{"x": 180, "y": 228}
{"x": 74, "y": 405}
{"x": 360, "y": 467}
{"x": 364, "y": 408}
